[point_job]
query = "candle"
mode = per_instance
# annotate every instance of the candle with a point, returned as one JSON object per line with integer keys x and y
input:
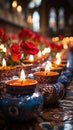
{"x": 46, "y": 76}
{"x": 30, "y": 60}
{"x": 52, "y": 68}
{"x": 21, "y": 85}
{"x": 6, "y": 72}
{"x": 4, "y": 67}
{"x": 39, "y": 54}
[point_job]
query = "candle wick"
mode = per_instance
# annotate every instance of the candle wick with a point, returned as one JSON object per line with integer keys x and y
{"x": 21, "y": 82}
{"x": 46, "y": 73}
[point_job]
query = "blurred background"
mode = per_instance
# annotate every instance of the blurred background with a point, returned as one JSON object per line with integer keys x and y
{"x": 47, "y": 17}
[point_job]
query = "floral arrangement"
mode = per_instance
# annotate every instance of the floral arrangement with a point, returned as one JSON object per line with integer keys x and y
{"x": 26, "y": 42}
{"x": 55, "y": 47}
{"x": 17, "y": 50}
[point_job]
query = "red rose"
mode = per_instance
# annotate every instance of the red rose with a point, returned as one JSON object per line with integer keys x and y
{"x": 15, "y": 48}
{"x": 36, "y": 37}
{"x": 15, "y": 52}
{"x": 16, "y": 57}
{"x": 13, "y": 36}
{"x": 1, "y": 32}
{"x": 5, "y": 37}
{"x": 60, "y": 47}
{"x": 53, "y": 45}
{"x": 29, "y": 47}
{"x": 61, "y": 37}
{"x": 24, "y": 33}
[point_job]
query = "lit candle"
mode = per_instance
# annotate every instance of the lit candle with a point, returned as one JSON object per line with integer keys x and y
{"x": 46, "y": 76}
{"x": 58, "y": 56}
{"x": 4, "y": 49}
{"x": 1, "y": 46}
{"x": 6, "y": 72}
{"x": 4, "y": 66}
{"x": 39, "y": 54}
{"x": 4, "y": 63}
{"x": 58, "y": 61}
{"x": 22, "y": 81}
{"x": 31, "y": 58}
{"x": 50, "y": 67}
{"x": 21, "y": 85}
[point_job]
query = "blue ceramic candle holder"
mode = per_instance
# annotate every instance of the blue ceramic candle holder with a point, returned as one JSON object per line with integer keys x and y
{"x": 21, "y": 103}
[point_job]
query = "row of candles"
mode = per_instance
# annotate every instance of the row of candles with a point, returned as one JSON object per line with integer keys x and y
{"x": 46, "y": 69}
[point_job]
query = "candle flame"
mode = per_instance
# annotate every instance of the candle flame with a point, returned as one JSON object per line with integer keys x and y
{"x": 3, "y": 62}
{"x": 58, "y": 61}
{"x": 31, "y": 57}
{"x": 58, "y": 55}
{"x": 1, "y": 46}
{"x": 22, "y": 75}
{"x": 47, "y": 68}
{"x": 49, "y": 64}
{"x": 4, "y": 49}
{"x": 39, "y": 54}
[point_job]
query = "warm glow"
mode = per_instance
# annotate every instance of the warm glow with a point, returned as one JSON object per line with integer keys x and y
{"x": 19, "y": 8}
{"x": 43, "y": 52}
{"x": 65, "y": 46}
{"x": 22, "y": 75}
{"x": 31, "y": 58}
{"x": 58, "y": 61}
{"x": 55, "y": 39}
{"x": 14, "y": 4}
{"x": 49, "y": 64}
{"x": 29, "y": 19}
{"x": 1, "y": 46}
{"x": 47, "y": 68}
{"x": 58, "y": 55}
{"x": 3, "y": 62}
{"x": 39, "y": 54}
{"x": 4, "y": 49}
{"x": 49, "y": 49}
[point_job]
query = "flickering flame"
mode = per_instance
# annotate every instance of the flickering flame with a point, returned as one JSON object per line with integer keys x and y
{"x": 4, "y": 49}
{"x": 58, "y": 61}
{"x": 39, "y": 54}
{"x": 3, "y": 62}
{"x": 31, "y": 58}
{"x": 43, "y": 52}
{"x": 1, "y": 46}
{"x": 47, "y": 68}
{"x": 22, "y": 74}
{"x": 58, "y": 55}
{"x": 49, "y": 64}
{"x": 65, "y": 46}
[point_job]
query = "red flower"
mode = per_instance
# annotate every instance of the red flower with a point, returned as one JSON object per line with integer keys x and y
{"x": 36, "y": 37}
{"x": 5, "y": 37}
{"x": 60, "y": 47}
{"x": 25, "y": 33}
{"x": 13, "y": 36}
{"x": 15, "y": 48}
{"x": 61, "y": 37}
{"x": 53, "y": 45}
{"x": 1, "y": 32}
{"x": 16, "y": 57}
{"x": 29, "y": 47}
{"x": 15, "y": 52}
